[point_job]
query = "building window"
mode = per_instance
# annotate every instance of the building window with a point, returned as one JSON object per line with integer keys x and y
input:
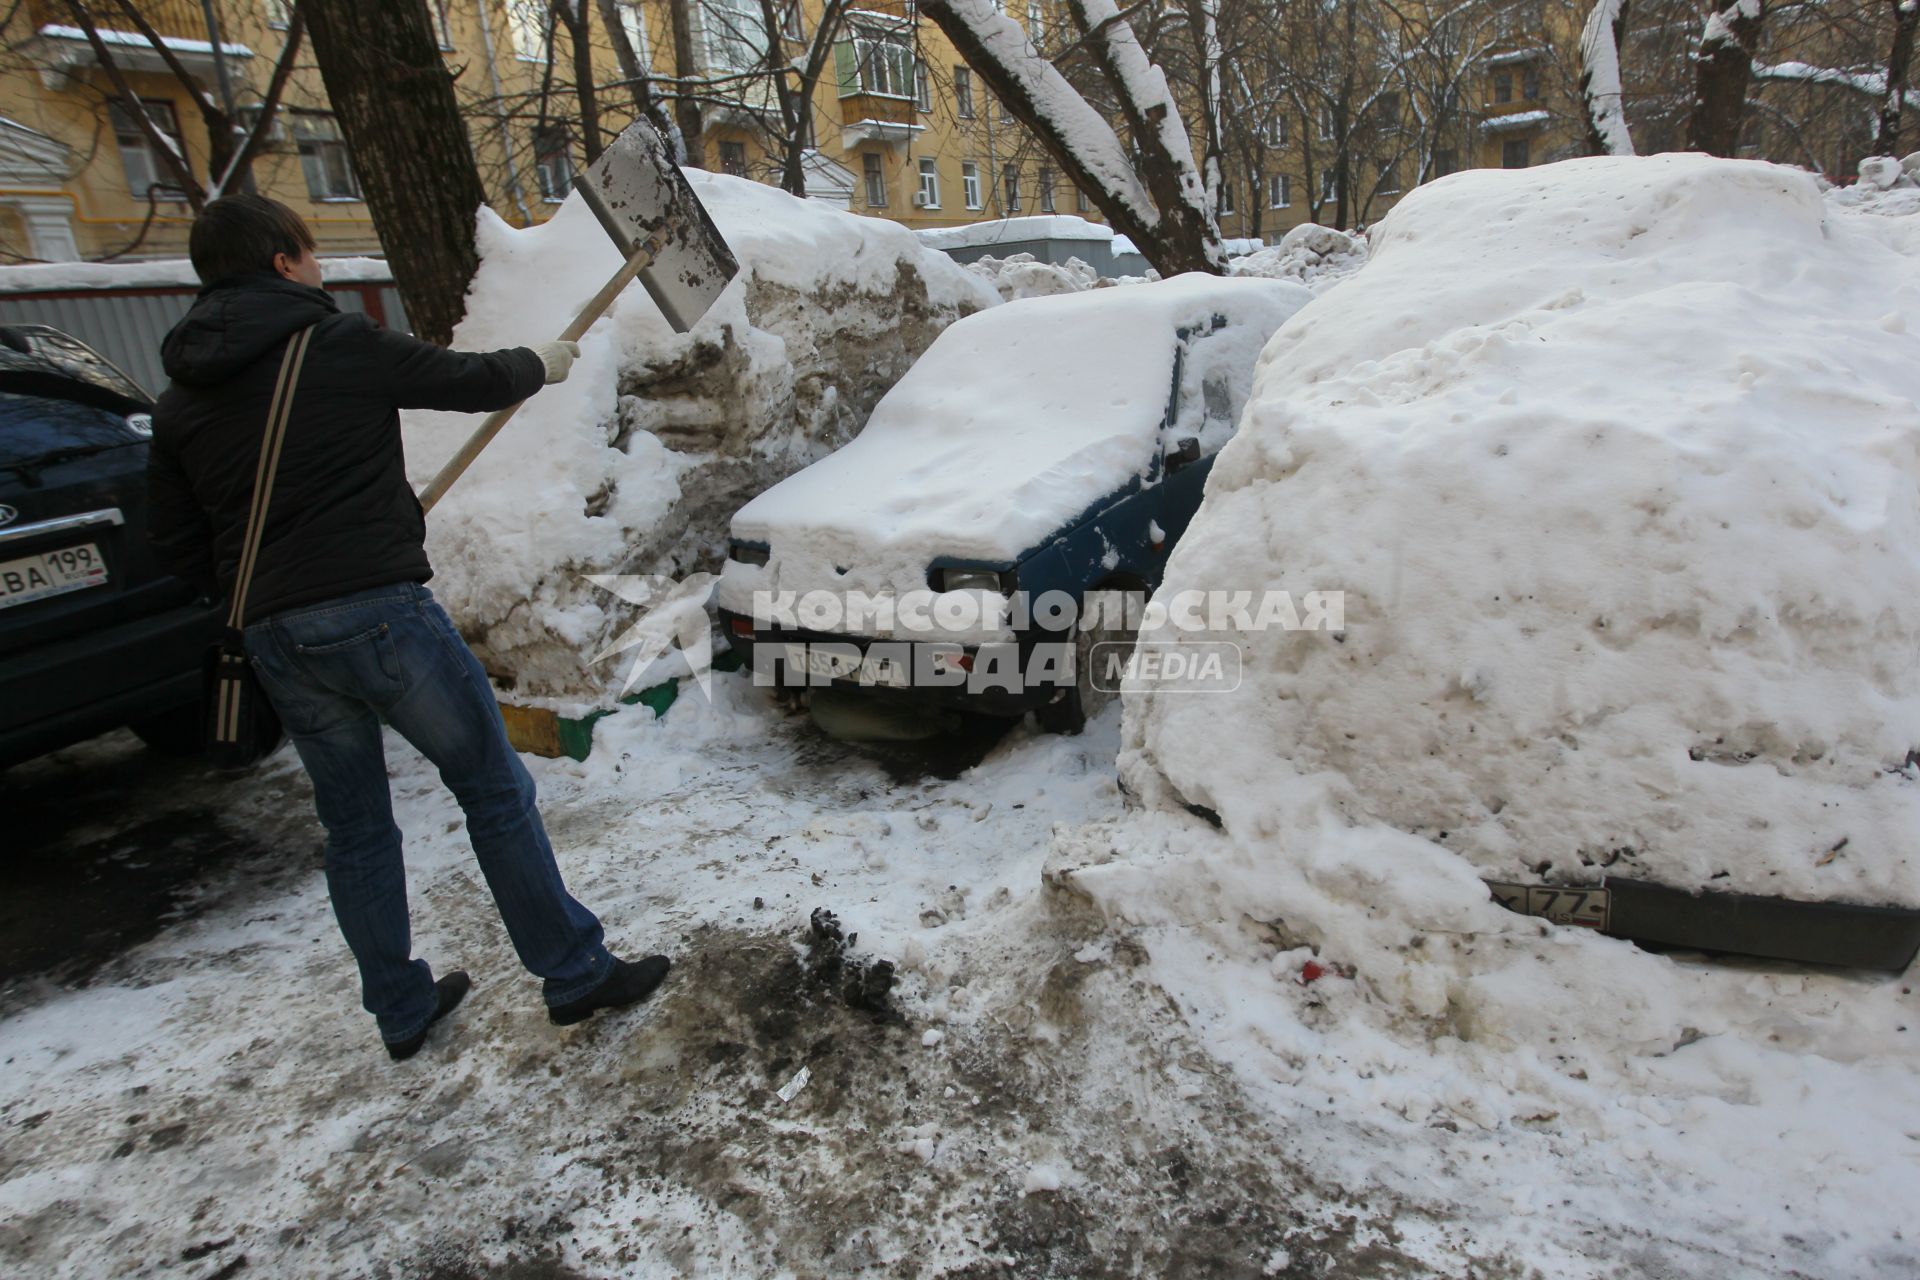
{"x": 1329, "y": 190}
{"x": 633, "y": 21}
{"x": 1530, "y": 82}
{"x": 323, "y": 156}
{"x": 1010, "y": 181}
{"x": 1445, "y": 162}
{"x": 963, "y": 93}
{"x": 793, "y": 23}
{"x": 929, "y": 183}
{"x": 1226, "y": 199}
{"x": 1036, "y": 24}
{"x": 528, "y": 22}
{"x": 1503, "y": 86}
{"x": 970, "y": 183}
{"x": 1386, "y": 112}
{"x": 1326, "y": 123}
{"x": 1279, "y": 191}
{"x": 146, "y": 170}
{"x": 876, "y": 59}
{"x": 552, "y": 163}
{"x": 1046, "y": 188}
{"x": 922, "y": 87}
{"x": 733, "y": 158}
{"x": 1081, "y": 203}
{"x": 876, "y": 180}
{"x": 1513, "y": 153}
{"x": 1389, "y": 183}
{"x": 736, "y": 34}
{"x": 1274, "y": 134}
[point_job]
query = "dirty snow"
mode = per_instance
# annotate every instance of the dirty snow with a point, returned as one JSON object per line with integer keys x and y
{"x": 633, "y": 464}
{"x": 1316, "y": 256}
{"x": 1021, "y": 275}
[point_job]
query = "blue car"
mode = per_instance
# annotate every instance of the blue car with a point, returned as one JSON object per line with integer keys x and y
{"x": 1031, "y": 472}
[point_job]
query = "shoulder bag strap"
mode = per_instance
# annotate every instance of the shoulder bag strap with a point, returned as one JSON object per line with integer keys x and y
{"x": 263, "y": 475}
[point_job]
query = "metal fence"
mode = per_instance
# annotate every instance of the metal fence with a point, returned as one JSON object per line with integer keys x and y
{"x": 126, "y": 325}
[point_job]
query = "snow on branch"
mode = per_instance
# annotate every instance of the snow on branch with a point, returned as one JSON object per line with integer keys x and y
{"x": 1600, "y": 78}
{"x": 1070, "y": 117}
{"x": 1871, "y": 84}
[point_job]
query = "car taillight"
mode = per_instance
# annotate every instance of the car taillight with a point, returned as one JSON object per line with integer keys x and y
{"x": 742, "y": 627}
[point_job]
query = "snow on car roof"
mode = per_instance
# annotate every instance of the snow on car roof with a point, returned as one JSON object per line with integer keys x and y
{"x": 1015, "y": 421}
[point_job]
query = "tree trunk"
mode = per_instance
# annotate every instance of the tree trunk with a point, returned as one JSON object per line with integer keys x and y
{"x": 1723, "y": 66}
{"x": 1886, "y": 129}
{"x": 580, "y": 41}
{"x": 1600, "y": 83}
{"x": 639, "y": 81}
{"x": 686, "y": 109}
{"x": 394, "y": 100}
{"x": 1073, "y": 133}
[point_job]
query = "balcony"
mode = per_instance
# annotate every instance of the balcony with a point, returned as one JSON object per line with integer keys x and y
{"x": 877, "y": 117}
{"x": 67, "y": 49}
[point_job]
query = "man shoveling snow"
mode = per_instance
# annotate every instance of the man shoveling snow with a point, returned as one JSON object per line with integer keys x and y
{"x": 339, "y": 626}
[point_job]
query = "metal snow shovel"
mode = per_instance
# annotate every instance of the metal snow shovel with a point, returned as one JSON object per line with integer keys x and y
{"x": 663, "y": 231}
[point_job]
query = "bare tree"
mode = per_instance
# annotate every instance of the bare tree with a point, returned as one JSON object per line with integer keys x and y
{"x": 1600, "y": 87}
{"x": 393, "y": 96}
{"x": 571, "y": 14}
{"x": 1886, "y": 130}
{"x": 1723, "y": 66}
{"x": 1152, "y": 192}
{"x": 232, "y": 143}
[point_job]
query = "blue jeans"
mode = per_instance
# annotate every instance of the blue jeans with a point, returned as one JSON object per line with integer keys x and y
{"x": 334, "y": 671}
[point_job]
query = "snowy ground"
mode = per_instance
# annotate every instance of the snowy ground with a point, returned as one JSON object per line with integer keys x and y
{"x": 214, "y": 1093}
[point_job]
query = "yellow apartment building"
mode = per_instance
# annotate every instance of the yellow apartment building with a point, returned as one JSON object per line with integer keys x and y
{"x": 900, "y": 127}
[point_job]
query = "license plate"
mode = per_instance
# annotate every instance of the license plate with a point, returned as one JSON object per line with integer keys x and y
{"x": 1587, "y": 908}
{"x": 52, "y": 573}
{"x": 834, "y": 664}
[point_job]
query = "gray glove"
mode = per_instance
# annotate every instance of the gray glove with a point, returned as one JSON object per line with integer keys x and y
{"x": 558, "y": 357}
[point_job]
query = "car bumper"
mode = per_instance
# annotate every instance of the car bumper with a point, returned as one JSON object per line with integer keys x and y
{"x": 58, "y": 694}
{"x": 1835, "y": 933}
{"x": 765, "y": 653}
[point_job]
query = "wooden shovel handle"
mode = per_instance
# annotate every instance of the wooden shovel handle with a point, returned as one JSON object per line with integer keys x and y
{"x": 487, "y": 430}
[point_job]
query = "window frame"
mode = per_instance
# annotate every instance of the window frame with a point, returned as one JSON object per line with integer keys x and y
{"x": 873, "y": 173}
{"x": 166, "y": 118}
{"x": 1010, "y": 187}
{"x": 929, "y": 182}
{"x": 970, "y": 191}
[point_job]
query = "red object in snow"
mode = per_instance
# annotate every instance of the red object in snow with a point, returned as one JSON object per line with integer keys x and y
{"x": 1312, "y": 971}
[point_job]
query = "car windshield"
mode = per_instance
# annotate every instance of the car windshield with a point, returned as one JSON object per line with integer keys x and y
{"x": 41, "y": 361}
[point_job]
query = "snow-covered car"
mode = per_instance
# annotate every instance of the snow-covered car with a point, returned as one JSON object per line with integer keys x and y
{"x": 1040, "y": 456}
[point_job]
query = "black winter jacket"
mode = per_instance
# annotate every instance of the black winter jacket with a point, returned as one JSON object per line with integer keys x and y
{"x": 342, "y": 516}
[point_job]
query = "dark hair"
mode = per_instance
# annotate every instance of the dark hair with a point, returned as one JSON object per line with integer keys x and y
{"x": 241, "y": 233}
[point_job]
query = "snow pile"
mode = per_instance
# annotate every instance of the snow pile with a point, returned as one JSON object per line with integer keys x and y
{"x": 1015, "y": 422}
{"x": 1887, "y": 186}
{"x": 635, "y": 463}
{"x": 1024, "y": 276}
{"x": 1615, "y": 463}
{"x": 1316, "y": 256}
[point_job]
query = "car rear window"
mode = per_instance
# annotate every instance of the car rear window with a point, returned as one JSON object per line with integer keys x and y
{"x": 42, "y": 361}
{"x": 34, "y": 427}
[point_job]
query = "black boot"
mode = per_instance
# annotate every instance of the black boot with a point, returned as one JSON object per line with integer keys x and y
{"x": 630, "y": 982}
{"x": 451, "y": 990}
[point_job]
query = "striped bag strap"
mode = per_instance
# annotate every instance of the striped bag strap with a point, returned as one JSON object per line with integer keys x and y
{"x": 277, "y": 415}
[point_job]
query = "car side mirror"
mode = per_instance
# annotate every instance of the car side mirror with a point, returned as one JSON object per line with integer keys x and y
{"x": 1183, "y": 454}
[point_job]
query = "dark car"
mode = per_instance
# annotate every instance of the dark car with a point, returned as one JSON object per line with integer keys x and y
{"x": 94, "y": 634}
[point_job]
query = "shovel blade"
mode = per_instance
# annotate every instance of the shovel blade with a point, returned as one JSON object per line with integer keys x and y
{"x": 636, "y": 190}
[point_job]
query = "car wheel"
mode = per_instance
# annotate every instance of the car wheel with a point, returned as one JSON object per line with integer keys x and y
{"x": 173, "y": 733}
{"x": 1081, "y": 701}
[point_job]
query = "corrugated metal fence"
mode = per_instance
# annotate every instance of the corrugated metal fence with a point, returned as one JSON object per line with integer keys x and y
{"x": 126, "y": 325}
